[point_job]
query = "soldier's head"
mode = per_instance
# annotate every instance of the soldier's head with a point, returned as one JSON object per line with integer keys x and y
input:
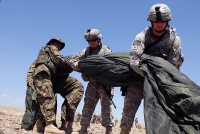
{"x": 159, "y": 15}
{"x": 93, "y": 37}
{"x": 57, "y": 42}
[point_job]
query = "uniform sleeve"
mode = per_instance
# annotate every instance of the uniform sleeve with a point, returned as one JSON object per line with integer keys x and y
{"x": 137, "y": 49}
{"x": 56, "y": 55}
{"x": 107, "y": 50}
{"x": 176, "y": 56}
{"x": 76, "y": 58}
{"x": 29, "y": 77}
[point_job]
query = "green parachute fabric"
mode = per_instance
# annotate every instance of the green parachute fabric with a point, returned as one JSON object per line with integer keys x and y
{"x": 171, "y": 99}
{"x": 110, "y": 70}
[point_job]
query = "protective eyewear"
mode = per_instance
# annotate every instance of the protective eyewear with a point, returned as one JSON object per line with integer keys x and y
{"x": 159, "y": 21}
{"x": 93, "y": 40}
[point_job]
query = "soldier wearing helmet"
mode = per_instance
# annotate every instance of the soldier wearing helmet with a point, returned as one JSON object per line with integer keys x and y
{"x": 157, "y": 40}
{"x": 94, "y": 90}
{"x": 159, "y": 13}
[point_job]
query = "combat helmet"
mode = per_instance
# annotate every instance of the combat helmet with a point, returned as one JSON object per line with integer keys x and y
{"x": 159, "y": 12}
{"x": 58, "y": 40}
{"x": 93, "y": 34}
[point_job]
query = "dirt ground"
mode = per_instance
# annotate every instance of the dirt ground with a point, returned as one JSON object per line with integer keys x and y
{"x": 10, "y": 123}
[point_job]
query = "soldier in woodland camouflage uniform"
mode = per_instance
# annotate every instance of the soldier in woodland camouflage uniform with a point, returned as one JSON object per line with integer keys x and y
{"x": 51, "y": 76}
{"x": 29, "y": 78}
{"x": 157, "y": 40}
{"x": 31, "y": 103}
{"x": 94, "y": 90}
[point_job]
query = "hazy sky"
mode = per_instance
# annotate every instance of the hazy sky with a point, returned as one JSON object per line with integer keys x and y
{"x": 27, "y": 25}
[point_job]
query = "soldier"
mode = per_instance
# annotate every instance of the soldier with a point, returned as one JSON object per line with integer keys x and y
{"x": 32, "y": 106}
{"x": 157, "y": 40}
{"x": 136, "y": 121}
{"x": 31, "y": 103}
{"x": 116, "y": 121}
{"x": 94, "y": 91}
{"x": 79, "y": 117}
{"x": 51, "y": 75}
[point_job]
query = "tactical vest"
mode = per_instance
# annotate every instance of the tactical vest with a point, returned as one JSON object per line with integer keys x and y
{"x": 46, "y": 57}
{"x": 161, "y": 46}
{"x": 101, "y": 50}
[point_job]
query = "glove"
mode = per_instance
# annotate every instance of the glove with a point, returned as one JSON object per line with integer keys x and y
{"x": 74, "y": 65}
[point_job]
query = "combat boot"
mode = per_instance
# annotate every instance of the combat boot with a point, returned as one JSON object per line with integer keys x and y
{"x": 67, "y": 127}
{"x": 50, "y": 128}
{"x": 109, "y": 130}
{"x": 124, "y": 131}
{"x": 83, "y": 129}
{"x": 40, "y": 125}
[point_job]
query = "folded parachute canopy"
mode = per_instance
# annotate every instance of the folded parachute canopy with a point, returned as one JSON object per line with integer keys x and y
{"x": 110, "y": 70}
{"x": 171, "y": 99}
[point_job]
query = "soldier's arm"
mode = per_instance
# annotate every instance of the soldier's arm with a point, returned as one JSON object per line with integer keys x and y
{"x": 29, "y": 78}
{"x": 107, "y": 50}
{"x": 137, "y": 49}
{"x": 175, "y": 54}
{"x": 76, "y": 58}
{"x": 57, "y": 57}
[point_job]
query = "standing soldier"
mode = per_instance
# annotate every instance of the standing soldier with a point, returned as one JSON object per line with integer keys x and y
{"x": 31, "y": 103}
{"x": 136, "y": 122}
{"x": 116, "y": 121}
{"x": 94, "y": 91}
{"x": 157, "y": 40}
{"x": 51, "y": 76}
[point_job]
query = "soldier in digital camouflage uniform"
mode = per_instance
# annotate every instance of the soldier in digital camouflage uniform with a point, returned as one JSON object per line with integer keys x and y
{"x": 51, "y": 76}
{"x": 94, "y": 90}
{"x": 157, "y": 40}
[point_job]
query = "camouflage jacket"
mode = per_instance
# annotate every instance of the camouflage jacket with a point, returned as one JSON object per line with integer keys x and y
{"x": 101, "y": 50}
{"x": 168, "y": 47}
{"x": 49, "y": 59}
{"x": 30, "y": 73}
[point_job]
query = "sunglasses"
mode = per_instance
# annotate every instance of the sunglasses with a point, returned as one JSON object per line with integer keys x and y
{"x": 159, "y": 21}
{"x": 93, "y": 40}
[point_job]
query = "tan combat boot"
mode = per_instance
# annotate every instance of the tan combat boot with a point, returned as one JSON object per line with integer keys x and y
{"x": 124, "y": 131}
{"x": 40, "y": 125}
{"x": 83, "y": 129}
{"x": 51, "y": 129}
{"x": 109, "y": 130}
{"x": 67, "y": 127}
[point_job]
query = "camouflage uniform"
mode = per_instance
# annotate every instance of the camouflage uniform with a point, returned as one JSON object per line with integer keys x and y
{"x": 72, "y": 90}
{"x": 94, "y": 90}
{"x": 51, "y": 77}
{"x": 31, "y": 103}
{"x": 29, "y": 78}
{"x": 169, "y": 48}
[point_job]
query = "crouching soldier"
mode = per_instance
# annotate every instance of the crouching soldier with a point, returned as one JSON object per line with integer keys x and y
{"x": 51, "y": 76}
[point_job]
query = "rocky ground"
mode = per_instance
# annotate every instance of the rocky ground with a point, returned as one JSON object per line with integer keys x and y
{"x": 10, "y": 122}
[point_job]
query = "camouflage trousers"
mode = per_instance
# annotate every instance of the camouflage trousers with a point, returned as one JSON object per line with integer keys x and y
{"x": 132, "y": 101}
{"x": 68, "y": 87}
{"x": 93, "y": 93}
{"x": 72, "y": 91}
